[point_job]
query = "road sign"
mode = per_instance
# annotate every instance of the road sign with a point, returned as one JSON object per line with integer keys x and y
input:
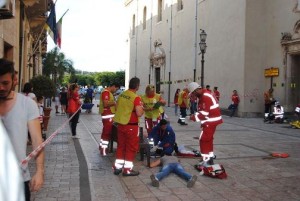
{"x": 271, "y": 72}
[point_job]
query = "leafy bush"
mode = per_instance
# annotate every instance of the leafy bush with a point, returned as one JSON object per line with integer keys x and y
{"x": 43, "y": 86}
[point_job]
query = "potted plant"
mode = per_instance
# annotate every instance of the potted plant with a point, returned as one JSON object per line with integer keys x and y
{"x": 44, "y": 86}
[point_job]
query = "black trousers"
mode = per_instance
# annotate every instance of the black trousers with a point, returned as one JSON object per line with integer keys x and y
{"x": 183, "y": 112}
{"x": 27, "y": 190}
{"x": 73, "y": 122}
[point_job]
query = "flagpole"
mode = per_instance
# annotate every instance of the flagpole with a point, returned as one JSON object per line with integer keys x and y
{"x": 64, "y": 14}
{"x": 37, "y": 42}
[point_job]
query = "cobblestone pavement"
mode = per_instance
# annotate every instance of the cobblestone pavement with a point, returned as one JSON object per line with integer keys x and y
{"x": 241, "y": 145}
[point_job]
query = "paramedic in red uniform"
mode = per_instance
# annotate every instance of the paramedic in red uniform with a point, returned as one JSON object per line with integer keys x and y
{"x": 210, "y": 117}
{"x": 107, "y": 110}
{"x": 129, "y": 109}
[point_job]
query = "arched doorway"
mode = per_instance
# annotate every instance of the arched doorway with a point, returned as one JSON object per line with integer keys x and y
{"x": 291, "y": 48}
{"x": 158, "y": 63}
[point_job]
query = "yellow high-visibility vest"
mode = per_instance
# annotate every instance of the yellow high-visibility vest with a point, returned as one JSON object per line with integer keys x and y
{"x": 125, "y": 106}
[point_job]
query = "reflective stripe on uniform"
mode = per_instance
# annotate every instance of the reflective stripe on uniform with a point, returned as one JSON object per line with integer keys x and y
{"x": 105, "y": 144}
{"x": 128, "y": 164}
{"x": 214, "y": 106}
{"x": 108, "y": 116}
{"x": 212, "y": 119}
{"x": 204, "y": 113}
{"x": 119, "y": 163}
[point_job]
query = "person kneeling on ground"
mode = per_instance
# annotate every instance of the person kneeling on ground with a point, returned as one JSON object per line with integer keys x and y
{"x": 278, "y": 113}
{"x": 163, "y": 137}
{"x": 171, "y": 164}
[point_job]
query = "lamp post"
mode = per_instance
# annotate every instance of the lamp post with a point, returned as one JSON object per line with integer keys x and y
{"x": 202, "y": 46}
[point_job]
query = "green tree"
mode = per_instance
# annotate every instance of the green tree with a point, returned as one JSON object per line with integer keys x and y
{"x": 56, "y": 64}
{"x": 107, "y": 78}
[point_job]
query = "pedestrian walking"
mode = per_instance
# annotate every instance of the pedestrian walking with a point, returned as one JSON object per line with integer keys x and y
{"x": 193, "y": 103}
{"x": 107, "y": 109}
{"x": 176, "y": 101}
{"x": 152, "y": 102}
{"x": 74, "y": 104}
{"x": 235, "y": 102}
{"x": 129, "y": 110}
{"x": 20, "y": 114}
{"x": 90, "y": 93}
{"x": 63, "y": 98}
{"x": 56, "y": 100}
{"x": 171, "y": 164}
{"x": 183, "y": 102}
{"x": 208, "y": 88}
{"x": 217, "y": 93}
{"x": 209, "y": 115}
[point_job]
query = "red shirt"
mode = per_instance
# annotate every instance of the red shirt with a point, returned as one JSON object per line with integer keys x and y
{"x": 235, "y": 99}
{"x": 176, "y": 98}
{"x": 137, "y": 102}
{"x": 105, "y": 96}
{"x": 217, "y": 94}
{"x": 73, "y": 104}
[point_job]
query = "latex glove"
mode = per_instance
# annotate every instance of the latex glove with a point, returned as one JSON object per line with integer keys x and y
{"x": 154, "y": 148}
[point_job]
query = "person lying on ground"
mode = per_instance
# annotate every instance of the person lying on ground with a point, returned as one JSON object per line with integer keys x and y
{"x": 170, "y": 164}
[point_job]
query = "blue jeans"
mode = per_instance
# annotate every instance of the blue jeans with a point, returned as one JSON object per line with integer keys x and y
{"x": 175, "y": 168}
{"x": 176, "y": 109}
{"x": 193, "y": 107}
{"x": 233, "y": 109}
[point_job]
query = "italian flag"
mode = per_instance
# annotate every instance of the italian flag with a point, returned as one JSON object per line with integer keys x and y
{"x": 59, "y": 32}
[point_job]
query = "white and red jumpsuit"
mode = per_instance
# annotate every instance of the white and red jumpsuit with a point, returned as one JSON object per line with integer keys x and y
{"x": 210, "y": 116}
{"x": 128, "y": 135}
{"x": 107, "y": 120}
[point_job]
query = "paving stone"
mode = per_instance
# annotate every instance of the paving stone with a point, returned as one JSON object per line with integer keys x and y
{"x": 241, "y": 145}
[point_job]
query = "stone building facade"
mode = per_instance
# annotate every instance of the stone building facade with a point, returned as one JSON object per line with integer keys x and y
{"x": 23, "y": 38}
{"x": 245, "y": 39}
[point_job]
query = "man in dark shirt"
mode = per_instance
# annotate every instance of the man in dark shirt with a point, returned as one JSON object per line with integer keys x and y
{"x": 90, "y": 93}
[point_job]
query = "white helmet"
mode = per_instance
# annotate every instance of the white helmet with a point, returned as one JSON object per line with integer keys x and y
{"x": 193, "y": 86}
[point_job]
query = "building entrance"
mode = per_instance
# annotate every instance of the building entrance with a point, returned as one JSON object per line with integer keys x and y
{"x": 294, "y": 81}
{"x": 157, "y": 80}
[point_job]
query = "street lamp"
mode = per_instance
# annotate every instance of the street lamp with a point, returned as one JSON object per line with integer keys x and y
{"x": 202, "y": 46}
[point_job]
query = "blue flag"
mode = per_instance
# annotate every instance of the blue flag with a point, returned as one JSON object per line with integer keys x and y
{"x": 51, "y": 24}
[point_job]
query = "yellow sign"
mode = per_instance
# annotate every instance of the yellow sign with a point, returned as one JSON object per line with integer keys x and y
{"x": 271, "y": 72}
